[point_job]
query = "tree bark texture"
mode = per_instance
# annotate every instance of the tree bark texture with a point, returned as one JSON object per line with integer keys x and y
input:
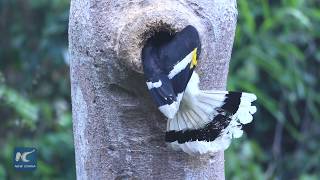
{"x": 118, "y": 131}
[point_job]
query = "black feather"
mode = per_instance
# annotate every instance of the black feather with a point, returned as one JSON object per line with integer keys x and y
{"x": 208, "y": 133}
{"x": 232, "y": 102}
{"x": 160, "y": 58}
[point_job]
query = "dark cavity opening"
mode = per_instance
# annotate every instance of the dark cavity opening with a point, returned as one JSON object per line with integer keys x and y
{"x": 160, "y": 38}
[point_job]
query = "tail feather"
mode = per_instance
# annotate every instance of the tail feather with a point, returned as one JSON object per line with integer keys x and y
{"x": 204, "y": 118}
{"x": 202, "y": 113}
{"x": 192, "y": 118}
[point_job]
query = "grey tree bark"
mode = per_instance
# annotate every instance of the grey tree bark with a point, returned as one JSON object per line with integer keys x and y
{"x": 118, "y": 132}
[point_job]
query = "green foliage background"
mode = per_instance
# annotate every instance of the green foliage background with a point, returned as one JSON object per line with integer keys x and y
{"x": 276, "y": 56}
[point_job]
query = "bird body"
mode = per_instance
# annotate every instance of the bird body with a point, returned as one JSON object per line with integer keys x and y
{"x": 199, "y": 121}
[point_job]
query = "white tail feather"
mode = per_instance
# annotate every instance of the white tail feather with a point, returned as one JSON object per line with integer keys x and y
{"x": 198, "y": 108}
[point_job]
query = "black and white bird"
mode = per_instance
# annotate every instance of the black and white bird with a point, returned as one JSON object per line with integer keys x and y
{"x": 199, "y": 121}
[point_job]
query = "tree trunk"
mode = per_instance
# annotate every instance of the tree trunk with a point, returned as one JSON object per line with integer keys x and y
{"x": 118, "y": 131}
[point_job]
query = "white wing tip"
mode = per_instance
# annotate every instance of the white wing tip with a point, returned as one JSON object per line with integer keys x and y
{"x": 250, "y": 96}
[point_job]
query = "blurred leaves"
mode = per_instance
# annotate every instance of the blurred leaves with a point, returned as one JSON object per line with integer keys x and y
{"x": 35, "y": 108}
{"x": 21, "y": 106}
{"x": 276, "y": 57}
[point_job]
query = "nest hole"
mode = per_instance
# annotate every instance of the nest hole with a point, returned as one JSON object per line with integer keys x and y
{"x": 158, "y": 34}
{"x": 160, "y": 38}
